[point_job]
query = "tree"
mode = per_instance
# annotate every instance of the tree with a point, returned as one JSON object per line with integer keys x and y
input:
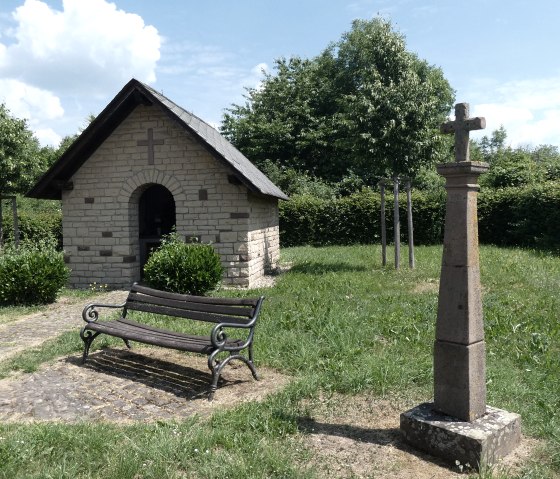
{"x": 548, "y": 158}
{"x": 365, "y": 105}
{"x": 22, "y": 159}
{"x": 53, "y": 154}
{"x": 515, "y": 167}
{"x": 512, "y": 167}
{"x": 487, "y": 148}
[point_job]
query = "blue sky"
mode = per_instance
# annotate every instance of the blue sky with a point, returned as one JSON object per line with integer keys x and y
{"x": 61, "y": 60}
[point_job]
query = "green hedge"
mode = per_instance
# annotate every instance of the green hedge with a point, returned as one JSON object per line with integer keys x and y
{"x": 521, "y": 216}
{"x": 34, "y": 226}
{"x": 512, "y": 216}
{"x": 355, "y": 219}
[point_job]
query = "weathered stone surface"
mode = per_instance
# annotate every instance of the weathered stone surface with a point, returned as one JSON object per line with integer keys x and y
{"x": 460, "y": 305}
{"x": 459, "y": 426}
{"x": 483, "y": 441}
{"x": 36, "y": 328}
{"x": 461, "y": 127}
{"x": 460, "y": 379}
{"x": 114, "y": 385}
{"x": 459, "y": 353}
{"x": 124, "y": 386}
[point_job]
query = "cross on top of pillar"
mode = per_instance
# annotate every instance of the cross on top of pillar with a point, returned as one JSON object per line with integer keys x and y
{"x": 461, "y": 127}
{"x": 150, "y": 142}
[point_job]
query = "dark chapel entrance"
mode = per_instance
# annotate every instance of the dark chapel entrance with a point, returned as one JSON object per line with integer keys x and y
{"x": 156, "y": 217}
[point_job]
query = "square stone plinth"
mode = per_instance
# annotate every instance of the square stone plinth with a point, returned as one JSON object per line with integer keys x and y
{"x": 460, "y": 380}
{"x": 483, "y": 441}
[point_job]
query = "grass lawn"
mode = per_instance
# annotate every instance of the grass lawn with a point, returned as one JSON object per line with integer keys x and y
{"x": 341, "y": 326}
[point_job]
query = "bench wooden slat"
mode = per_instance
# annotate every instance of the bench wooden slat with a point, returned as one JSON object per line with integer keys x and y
{"x": 194, "y": 299}
{"x": 131, "y": 330}
{"x": 245, "y": 311}
{"x": 197, "y": 315}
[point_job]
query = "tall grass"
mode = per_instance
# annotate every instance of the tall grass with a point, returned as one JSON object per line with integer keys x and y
{"x": 337, "y": 322}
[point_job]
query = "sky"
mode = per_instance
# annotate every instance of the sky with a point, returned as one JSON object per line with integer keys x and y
{"x": 63, "y": 60}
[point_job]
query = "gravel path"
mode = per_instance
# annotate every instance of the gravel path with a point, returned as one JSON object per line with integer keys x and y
{"x": 34, "y": 329}
{"x": 145, "y": 384}
{"x": 117, "y": 385}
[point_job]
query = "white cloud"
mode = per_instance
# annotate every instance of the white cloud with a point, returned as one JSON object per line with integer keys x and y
{"x": 529, "y": 110}
{"x": 208, "y": 75}
{"x": 47, "y": 136}
{"x": 25, "y": 101}
{"x": 256, "y": 77}
{"x": 193, "y": 58}
{"x": 73, "y": 56}
{"x": 89, "y": 46}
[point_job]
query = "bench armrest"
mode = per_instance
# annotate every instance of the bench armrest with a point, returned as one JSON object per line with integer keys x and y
{"x": 90, "y": 315}
{"x": 219, "y": 337}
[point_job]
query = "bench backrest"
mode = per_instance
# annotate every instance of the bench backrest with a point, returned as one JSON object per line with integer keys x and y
{"x": 200, "y": 308}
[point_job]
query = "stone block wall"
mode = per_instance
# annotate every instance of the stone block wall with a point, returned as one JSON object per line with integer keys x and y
{"x": 100, "y": 214}
{"x": 264, "y": 237}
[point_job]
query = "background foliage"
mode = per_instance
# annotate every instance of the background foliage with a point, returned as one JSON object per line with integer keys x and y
{"x": 38, "y": 220}
{"x": 365, "y": 105}
{"x": 21, "y": 157}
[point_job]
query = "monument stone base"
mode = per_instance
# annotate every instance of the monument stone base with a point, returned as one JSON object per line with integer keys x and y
{"x": 483, "y": 441}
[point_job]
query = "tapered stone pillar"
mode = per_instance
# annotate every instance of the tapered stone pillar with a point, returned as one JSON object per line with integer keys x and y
{"x": 458, "y": 425}
{"x": 459, "y": 350}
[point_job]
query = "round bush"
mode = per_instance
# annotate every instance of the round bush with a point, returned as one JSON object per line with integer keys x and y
{"x": 179, "y": 267}
{"x": 32, "y": 274}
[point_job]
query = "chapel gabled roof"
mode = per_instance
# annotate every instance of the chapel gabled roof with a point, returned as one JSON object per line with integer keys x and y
{"x": 133, "y": 94}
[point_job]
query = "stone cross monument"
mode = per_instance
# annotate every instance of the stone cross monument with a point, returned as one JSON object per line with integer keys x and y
{"x": 461, "y": 127}
{"x": 459, "y": 351}
{"x": 459, "y": 425}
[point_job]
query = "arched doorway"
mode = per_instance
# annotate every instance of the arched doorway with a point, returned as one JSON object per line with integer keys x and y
{"x": 156, "y": 217}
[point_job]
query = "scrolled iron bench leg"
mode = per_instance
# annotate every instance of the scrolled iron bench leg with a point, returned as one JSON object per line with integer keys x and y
{"x": 248, "y": 362}
{"x": 214, "y": 366}
{"x": 251, "y": 363}
{"x": 87, "y": 337}
{"x": 217, "y": 366}
{"x": 214, "y": 385}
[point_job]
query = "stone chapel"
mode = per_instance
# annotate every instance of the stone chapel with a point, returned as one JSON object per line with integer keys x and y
{"x": 144, "y": 166}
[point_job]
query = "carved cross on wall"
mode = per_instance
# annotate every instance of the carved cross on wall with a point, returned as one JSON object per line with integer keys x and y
{"x": 150, "y": 142}
{"x": 461, "y": 127}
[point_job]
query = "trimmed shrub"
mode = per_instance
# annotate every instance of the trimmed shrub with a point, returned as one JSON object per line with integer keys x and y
{"x": 33, "y": 274}
{"x": 521, "y": 216}
{"x": 528, "y": 216}
{"x": 186, "y": 268}
{"x": 355, "y": 219}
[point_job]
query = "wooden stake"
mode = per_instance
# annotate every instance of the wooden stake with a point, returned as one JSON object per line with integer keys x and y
{"x": 16, "y": 225}
{"x": 383, "y": 227}
{"x": 411, "y": 262}
{"x": 1, "y": 225}
{"x": 397, "y": 223}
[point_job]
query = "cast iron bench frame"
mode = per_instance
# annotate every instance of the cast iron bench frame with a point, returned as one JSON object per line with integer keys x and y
{"x": 227, "y": 313}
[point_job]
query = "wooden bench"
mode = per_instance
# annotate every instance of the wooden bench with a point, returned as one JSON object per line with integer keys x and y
{"x": 228, "y": 314}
